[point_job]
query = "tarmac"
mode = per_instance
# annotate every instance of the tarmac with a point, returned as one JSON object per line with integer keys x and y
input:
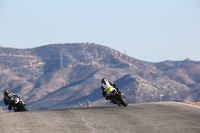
{"x": 159, "y": 117}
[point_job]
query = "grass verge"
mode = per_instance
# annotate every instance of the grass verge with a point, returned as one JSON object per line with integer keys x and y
{"x": 193, "y": 103}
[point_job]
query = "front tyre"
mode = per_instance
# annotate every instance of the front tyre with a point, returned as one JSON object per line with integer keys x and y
{"x": 123, "y": 101}
{"x": 23, "y": 107}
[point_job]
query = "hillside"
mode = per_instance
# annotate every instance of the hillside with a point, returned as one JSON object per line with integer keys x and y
{"x": 66, "y": 75}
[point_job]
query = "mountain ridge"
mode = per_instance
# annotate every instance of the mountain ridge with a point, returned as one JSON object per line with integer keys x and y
{"x": 65, "y": 75}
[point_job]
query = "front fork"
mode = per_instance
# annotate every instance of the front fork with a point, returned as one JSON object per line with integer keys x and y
{"x": 114, "y": 101}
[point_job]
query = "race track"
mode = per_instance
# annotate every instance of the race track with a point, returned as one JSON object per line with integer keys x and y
{"x": 161, "y": 117}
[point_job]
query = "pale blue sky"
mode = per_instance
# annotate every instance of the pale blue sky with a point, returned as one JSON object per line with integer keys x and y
{"x": 149, "y": 30}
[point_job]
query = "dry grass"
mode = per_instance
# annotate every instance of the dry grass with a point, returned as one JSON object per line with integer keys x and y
{"x": 193, "y": 103}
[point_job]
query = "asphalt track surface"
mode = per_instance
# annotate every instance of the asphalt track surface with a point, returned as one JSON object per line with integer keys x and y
{"x": 161, "y": 117}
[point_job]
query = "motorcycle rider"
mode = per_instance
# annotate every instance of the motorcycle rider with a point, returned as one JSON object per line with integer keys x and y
{"x": 104, "y": 85}
{"x": 8, "y": 99}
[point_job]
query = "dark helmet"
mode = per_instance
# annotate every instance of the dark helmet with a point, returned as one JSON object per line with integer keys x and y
{"x": 6, "y": 92}
{"x": 103, "y": 80}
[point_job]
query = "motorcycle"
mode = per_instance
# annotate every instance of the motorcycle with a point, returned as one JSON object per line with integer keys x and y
{"x": 116, "y": 97}
{"x": 19, "y": 105}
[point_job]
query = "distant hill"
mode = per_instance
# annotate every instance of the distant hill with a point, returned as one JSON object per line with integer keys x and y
{"x": 66, "y": 75}
{"x": 176, "y": 63}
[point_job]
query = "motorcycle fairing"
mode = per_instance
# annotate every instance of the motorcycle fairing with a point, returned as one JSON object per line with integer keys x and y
{"x": 109, "y": 90}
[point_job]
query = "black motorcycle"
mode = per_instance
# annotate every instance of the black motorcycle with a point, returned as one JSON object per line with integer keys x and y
{"x": 117, "y": 97}
{"x": 19, "y": 105}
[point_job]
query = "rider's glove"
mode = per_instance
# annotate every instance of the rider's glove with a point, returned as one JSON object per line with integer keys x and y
{"x": 114, "y": 85}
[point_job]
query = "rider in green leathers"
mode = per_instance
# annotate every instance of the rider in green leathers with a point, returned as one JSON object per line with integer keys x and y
{"x": 105, "y": 84}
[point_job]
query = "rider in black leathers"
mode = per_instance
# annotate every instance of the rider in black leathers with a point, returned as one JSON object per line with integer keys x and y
{"x": 8, "y": 99}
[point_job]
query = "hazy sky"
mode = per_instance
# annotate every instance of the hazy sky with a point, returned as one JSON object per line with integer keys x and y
{"x": 149, "y": 30}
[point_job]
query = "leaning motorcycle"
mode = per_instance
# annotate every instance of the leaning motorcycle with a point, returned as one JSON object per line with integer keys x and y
{"x": 116, "y": 97}
{"x": 19, "y": 105}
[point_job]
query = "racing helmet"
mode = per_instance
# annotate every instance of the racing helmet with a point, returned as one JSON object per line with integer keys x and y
{"x": 103, "y": 80}
{"x": 6, "y": 92}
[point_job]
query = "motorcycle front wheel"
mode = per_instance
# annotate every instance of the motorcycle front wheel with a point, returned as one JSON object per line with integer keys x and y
{"x": 22, "y": 107}
{"x": 25, "y": 108}
{"x": 123, "y": 101}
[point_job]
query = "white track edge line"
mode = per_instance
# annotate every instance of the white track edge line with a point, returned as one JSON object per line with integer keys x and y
{"x": 188, "y": 104}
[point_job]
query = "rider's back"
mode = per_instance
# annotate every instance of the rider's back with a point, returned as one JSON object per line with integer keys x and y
{"x": 9, "y": 97}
